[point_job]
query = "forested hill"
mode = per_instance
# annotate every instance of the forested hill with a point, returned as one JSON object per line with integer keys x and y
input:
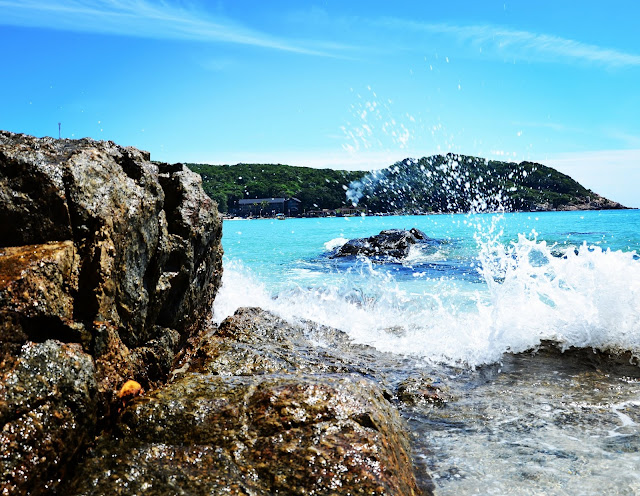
{"x": 315, "y": 188}
{"x": 441, "y": 183}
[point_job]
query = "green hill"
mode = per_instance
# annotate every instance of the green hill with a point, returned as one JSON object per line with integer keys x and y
{"x": 441, "y": 183}
{"x": 460, "y": 183}
{"x": 315, "y": 188}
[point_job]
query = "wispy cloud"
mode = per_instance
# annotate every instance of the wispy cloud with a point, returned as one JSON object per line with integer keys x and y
{"x": 143, "y": 18}
{"x": 522, "y": 43}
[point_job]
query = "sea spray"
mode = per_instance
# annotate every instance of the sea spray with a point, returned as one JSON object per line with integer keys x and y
{"x": 459, "y": 183}
{"x": 518, "y": 292}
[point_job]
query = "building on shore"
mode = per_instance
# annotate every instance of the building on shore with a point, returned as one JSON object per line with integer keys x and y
{"x": 267, "y": 207}
{"x": 337, "y": 212}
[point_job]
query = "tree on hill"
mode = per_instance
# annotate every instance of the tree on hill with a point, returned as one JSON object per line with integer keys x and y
{"x": 460, "y": 183}
{"x": 315, "y": 188}
{"x": 440, "y": 183}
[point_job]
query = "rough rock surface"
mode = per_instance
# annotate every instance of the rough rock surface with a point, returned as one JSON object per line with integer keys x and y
{"x": 394, "y": 243}
{"x": 108, "y": 263}
{"x": 258, "y": 407}
{"x": 422, "y": 390}
{"x": 47, "y": 411}
{"x": 593, "y": 202}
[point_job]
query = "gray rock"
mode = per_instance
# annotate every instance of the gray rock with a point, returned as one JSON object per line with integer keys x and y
{"x": 394, "y": 243}
{"x": 107, "y": 252}
{"x": 142, "y": 245}
{"x": 254, "y": 342}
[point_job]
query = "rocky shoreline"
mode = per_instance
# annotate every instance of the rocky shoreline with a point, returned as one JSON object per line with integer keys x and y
{"x": 109, "y": 265}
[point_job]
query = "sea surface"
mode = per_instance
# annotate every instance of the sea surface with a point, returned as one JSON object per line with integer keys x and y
{"x": 466, "y": 309}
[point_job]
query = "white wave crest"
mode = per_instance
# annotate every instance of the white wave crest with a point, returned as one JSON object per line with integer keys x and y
{"x": 335, "y": 243}
{"x": 585, "y": 299}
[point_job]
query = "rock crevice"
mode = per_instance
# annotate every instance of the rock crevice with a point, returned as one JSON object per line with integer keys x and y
{"x": 88, "y": 267}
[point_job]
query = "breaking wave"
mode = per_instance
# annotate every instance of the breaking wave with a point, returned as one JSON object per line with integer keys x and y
{"x": 523, "y": 293}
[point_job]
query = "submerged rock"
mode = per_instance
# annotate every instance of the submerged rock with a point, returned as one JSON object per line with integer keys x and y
{"x": 297, "y": 419}
{"x": 394, "y": 243}
{"x": 423, "y": 390}
{"x": 109, "y": 258}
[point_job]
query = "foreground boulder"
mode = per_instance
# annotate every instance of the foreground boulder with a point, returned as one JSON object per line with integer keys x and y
{"x": 259, "y": 406}
{"x": 394, "y": 243}
{"x": 108, "y": 263}
{"x": 48, "y": 406}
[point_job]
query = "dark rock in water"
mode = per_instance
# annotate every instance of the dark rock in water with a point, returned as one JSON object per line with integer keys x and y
{"x": 394, "y": 243}
{"x": 104, "y": 251}
{"x": 423, "y": 390}
{"x": 294, "y": 420}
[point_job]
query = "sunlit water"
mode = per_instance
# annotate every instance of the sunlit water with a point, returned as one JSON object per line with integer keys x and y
{"x": 488, "y": 286}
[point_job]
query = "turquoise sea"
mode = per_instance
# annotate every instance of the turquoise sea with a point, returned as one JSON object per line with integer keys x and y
{"x": 461, "y": 312}
{"x": 489, "y": 283}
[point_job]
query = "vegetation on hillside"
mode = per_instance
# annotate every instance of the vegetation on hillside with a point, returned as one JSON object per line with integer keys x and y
{"x": 315, "y": 188}
{"x": 449, "y": 183}
{"x": 459, "y": 183}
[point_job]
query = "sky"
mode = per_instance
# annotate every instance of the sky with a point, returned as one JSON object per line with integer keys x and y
{"x": 344, "y": 85}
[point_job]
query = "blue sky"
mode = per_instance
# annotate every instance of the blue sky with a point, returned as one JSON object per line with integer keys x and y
{"x": 358, "y": 84}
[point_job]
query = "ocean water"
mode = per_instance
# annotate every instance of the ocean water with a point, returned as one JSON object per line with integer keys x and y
{"x": 486, "y": 285}
{"x": 466, "y": 309}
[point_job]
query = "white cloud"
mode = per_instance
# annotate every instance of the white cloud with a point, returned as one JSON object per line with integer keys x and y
{"x": 523, "y": 43}
{"x": 141, "y": 18}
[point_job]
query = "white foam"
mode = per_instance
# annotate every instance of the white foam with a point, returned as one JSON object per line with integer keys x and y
{"x": 590, "y": 299}
{"x": 335, "y": 243}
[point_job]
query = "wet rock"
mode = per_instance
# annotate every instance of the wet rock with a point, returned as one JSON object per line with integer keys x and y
{"x": 254, "y": 341}
{"x": 47, "y": 411}
{"x": 423, "y": 390}
{"x": 206, "y": 434}
{"x": 112, "y": 257}
{"x": 259, "y": 406}
{"x": 394, "y": 243}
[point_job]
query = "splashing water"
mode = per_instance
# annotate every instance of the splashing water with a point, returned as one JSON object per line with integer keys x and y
{"x": 459, "y": 183}
{"x": 467, "y": 301}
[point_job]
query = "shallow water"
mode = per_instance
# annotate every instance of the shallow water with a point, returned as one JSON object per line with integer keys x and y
{"x": 464, "y": 310}
{"x": 547, "y": 423}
